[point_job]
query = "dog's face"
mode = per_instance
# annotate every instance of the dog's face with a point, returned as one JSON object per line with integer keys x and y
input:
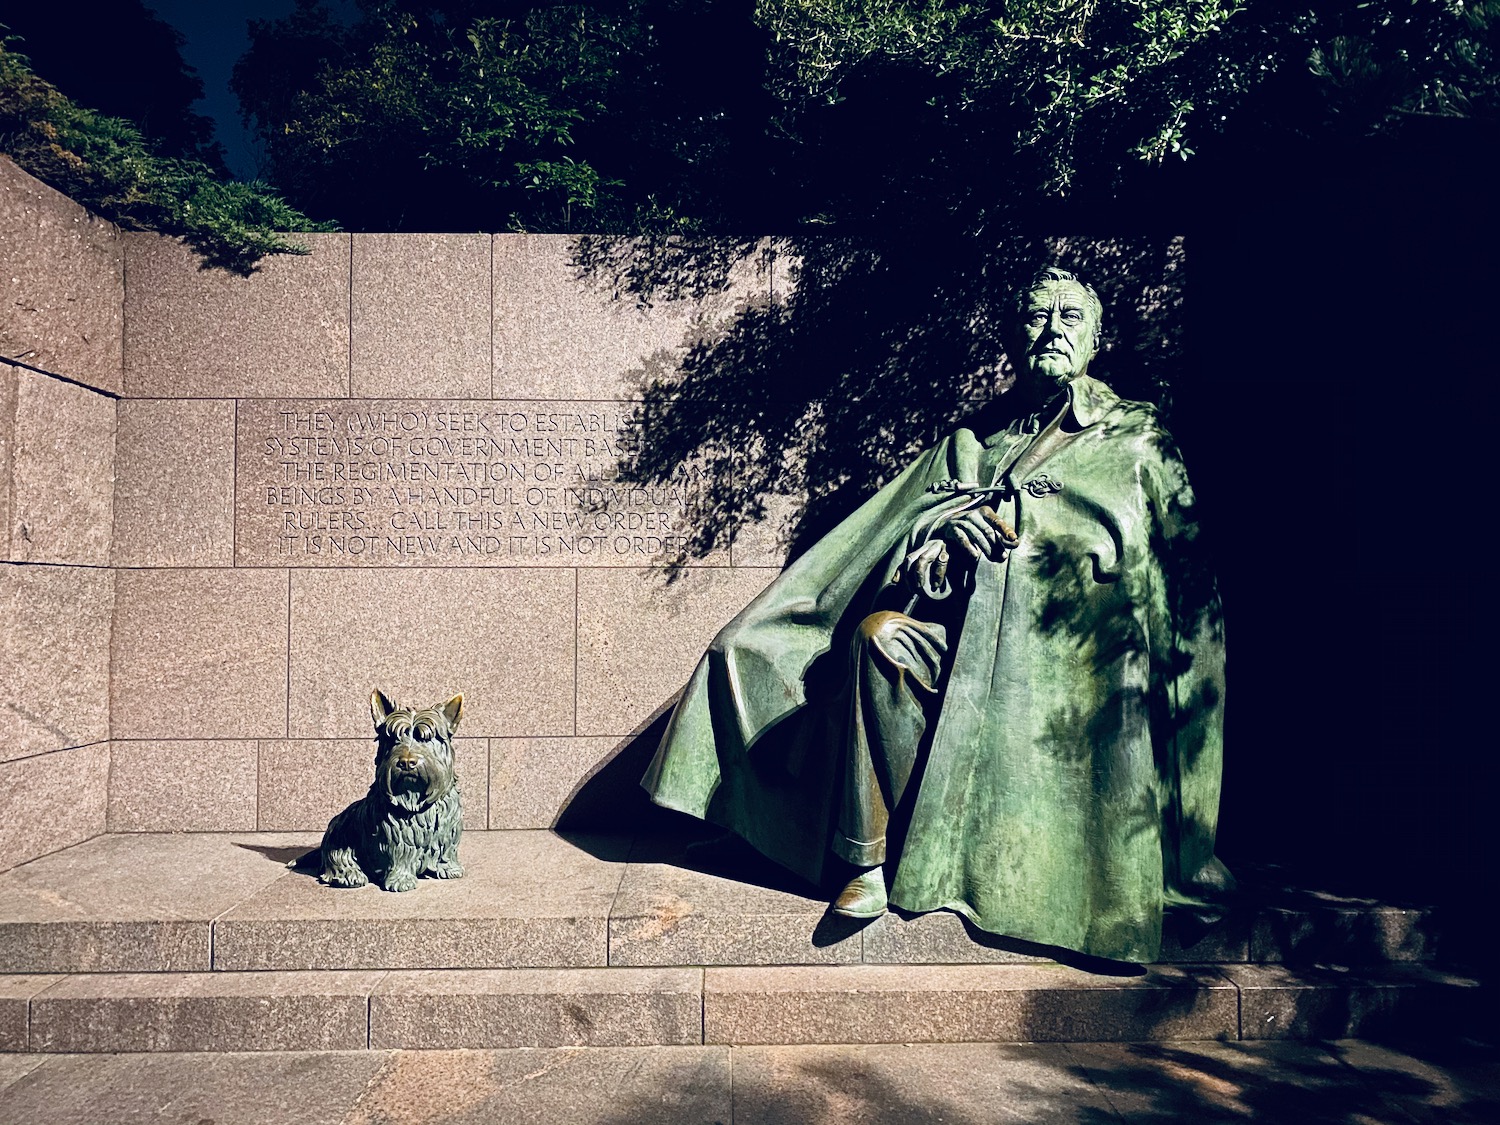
{"x": 414, "y": 750}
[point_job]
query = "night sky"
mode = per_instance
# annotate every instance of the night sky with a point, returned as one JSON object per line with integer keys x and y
{"x": 216, "y": 38}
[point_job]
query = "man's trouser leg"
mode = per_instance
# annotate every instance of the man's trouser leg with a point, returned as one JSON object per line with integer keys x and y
{"x": 898, "y": 662}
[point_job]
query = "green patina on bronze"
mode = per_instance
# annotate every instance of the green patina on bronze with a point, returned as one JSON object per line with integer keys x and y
{"x": 1012, "y": 653}
{"x": 410, "y": 822}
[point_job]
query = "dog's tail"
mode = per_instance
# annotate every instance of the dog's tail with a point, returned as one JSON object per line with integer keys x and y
{"x": 307, "y": 861}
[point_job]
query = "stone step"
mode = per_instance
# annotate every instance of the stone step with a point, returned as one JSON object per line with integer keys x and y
{"x": 810, "y": 1004}
{"x": 533, "y": 899}
{"x": 958, "y": 1083}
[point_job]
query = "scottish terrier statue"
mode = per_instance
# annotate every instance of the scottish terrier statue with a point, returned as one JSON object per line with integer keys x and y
{"x": 410, "y": 822}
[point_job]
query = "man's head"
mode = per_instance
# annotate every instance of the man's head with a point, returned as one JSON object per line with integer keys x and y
{"x": 1057, "y": 327}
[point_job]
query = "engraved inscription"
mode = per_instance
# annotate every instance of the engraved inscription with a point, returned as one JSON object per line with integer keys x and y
{"x": 364, "y": 482}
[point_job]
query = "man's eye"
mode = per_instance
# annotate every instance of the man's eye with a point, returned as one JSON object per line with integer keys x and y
{"x": 1072, "y": 317}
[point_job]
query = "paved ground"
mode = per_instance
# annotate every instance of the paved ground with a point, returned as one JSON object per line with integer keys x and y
{"x": 960, "y": 1084}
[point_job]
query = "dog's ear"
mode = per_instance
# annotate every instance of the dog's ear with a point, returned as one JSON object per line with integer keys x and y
{"x": 452, "y": 710}
{"x": 380, "y": 706}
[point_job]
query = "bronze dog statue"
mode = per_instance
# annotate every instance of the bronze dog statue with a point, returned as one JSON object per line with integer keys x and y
{"x": 410, "y": 821}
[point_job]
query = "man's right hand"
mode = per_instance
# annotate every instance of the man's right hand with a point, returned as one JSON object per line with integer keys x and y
{"x": 974, "y": 533}
{"x": 978, "y": 533}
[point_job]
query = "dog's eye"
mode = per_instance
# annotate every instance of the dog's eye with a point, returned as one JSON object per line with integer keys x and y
{"x": 424, "y": 732}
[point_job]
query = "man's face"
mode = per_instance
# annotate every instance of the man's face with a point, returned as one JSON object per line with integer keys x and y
{"x": 1058, "y": 328}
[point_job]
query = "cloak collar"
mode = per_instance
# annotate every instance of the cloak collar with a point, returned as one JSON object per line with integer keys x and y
{"x": 1089, "y": 400}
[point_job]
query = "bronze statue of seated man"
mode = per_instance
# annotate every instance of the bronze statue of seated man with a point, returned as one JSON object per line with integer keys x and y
{"x": 997, "y": 687}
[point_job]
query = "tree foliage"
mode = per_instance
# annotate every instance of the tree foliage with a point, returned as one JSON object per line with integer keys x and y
{"x": 123, "y": 61}
{"x": 1385, "y": 63}
{"x": 442, "y": 108}
{"x": 1068, "y": 82}
{"x": 779, "y": 114}
{"x": 106, "y": 164}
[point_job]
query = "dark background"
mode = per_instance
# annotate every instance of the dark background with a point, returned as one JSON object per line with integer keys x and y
{"x": 1339, "y": 316}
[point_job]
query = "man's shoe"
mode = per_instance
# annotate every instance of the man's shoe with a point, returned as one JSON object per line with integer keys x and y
{"x": 864, "y": 896}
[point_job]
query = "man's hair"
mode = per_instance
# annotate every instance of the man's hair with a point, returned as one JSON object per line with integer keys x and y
{"x": 1052, "y": 273}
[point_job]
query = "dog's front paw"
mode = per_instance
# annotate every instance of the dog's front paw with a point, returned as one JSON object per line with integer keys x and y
{"x": 340, "y": 869}
{"x": 343, "y": 878}
{"x": 400, "y": 881}
{"x": 449, "y": 870}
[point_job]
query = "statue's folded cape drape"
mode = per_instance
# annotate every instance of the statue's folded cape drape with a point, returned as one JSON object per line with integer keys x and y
{"x": 1069, "y": 788}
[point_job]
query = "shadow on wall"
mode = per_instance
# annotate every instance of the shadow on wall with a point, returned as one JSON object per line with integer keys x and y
{"x": 870, "y": 351}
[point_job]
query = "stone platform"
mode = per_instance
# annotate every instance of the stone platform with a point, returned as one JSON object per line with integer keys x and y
{"x": 208, "y": 942}
{"x": 1344, "y": 1083}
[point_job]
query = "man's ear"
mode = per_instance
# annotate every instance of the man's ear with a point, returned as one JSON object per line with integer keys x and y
{"x": 452, "y": 710}
{"x": 380, "y": 706}
{"x": 1098, "y": 340}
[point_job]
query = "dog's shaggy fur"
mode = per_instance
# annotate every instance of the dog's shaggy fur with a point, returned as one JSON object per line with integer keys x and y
{"x": 410, "y": 821}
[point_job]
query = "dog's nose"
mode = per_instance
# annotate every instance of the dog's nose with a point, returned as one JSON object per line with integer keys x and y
{"x": 407, "y": 765}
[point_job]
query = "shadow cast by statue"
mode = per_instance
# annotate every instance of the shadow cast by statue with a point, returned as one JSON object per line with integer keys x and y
{"x": 610, "y": 797}
{"x": 296, "y": 858}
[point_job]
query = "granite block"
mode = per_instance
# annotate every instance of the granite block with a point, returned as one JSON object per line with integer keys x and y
{"x": 1186, "y": 942}
{"x": 132, "y": 903}
{"x": 954, "y": 1083}
{"x": 721, "y": 905}
{"x": 304, "y": 782}
{"x": 598, "y": 1086}
{"x": 110, "y": 1012}
{"x": 1220, "y": 1083}
{"x": 640, "y": 635}
{"x": 291, "y": 1088}
{"x": 16, "y": 992}
{"x": 49, "y": 802}
{"x": 1433, "y": 1083}
{"x": 1277, "y": 1002}
{"x": 421, "y": 315}
{"x": 560, "y": 334}
{"x": 192, "y": 332}
{"x": 490, "y": 1008}
{"x": 10, "y": 391}
{"x": 199, "y": 654}
{"x": 533, "y": 779}
{"x": 359, "y": 483}
{"x": 504, "y": 638}
{"x": 766, "y": 541}
{"x": 187, "y": 785}
{"x": 62, "y": 472}
{"x": 527, "y": 900}
{"x": 962, "y": 1003}
{"x": 174, "y": 484}
{"x": 942, "y": 938}
{"x": 62, "y": 273}
{"x": 54, "y": 657}
{"x": 1356, "y": 935}
{"x": 13, "y": 1068}
{"x": 783, "y": 269}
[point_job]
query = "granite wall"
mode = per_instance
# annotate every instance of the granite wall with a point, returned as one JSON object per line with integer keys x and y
{"x": 387, "y": 463}
{"x": 62, "y": 274}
